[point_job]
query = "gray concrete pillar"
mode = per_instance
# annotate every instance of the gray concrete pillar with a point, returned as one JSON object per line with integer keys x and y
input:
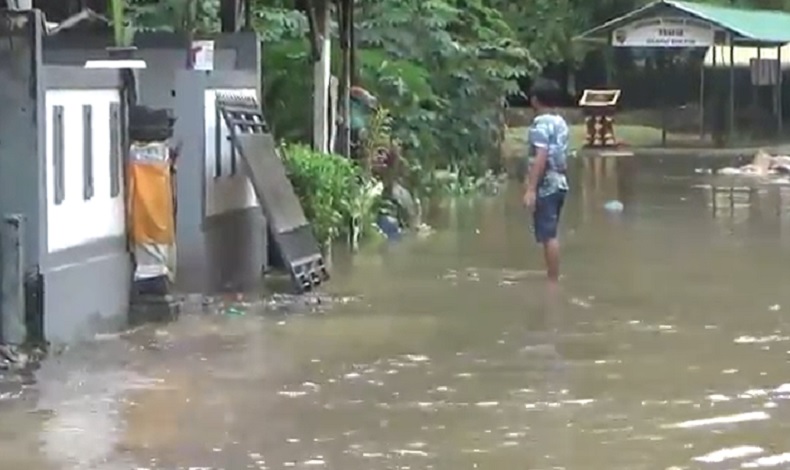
{"x": 13, "y": 330}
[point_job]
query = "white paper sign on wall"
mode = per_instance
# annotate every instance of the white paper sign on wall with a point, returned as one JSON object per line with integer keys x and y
{"x": 202, "y": 55}
{"x": 664, "y": 32}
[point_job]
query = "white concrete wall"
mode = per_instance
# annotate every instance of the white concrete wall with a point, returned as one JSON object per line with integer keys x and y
{"x": 76, "y": 221}
{"x": 226, "y": 192}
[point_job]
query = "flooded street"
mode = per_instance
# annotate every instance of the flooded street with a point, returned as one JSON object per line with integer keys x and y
{"x": 666, "y": 347}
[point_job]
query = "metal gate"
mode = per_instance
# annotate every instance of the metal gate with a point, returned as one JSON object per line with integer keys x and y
{"x": 292, "y": 234}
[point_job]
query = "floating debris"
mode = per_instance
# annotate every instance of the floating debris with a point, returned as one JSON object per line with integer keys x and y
{"x": 234, "y": 311}
{"x": 614, "y": 206}
{"x": 763, "y": 164}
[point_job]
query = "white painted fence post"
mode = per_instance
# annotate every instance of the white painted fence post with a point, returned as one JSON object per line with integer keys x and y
{"x": 321, "y": 78}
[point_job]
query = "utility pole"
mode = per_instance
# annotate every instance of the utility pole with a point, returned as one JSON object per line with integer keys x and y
{"x": 320, "y": 22}
{"x": 346, "y": 14}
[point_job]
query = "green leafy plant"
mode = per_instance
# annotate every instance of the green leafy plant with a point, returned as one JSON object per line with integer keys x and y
{"x": 365, "y": 209}
{"x": 185, "y": 16}
{"x": 440, "y": 67}
{"x": 443, "y": 67}
{"x": 117, "y": 17}
{"x": 288, "y": 89}
{"x": 328, "y": 187}
{"x": 377, "y": 138}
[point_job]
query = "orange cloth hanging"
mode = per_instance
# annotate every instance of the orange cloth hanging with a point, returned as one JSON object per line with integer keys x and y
{"x": 151, "y": 203}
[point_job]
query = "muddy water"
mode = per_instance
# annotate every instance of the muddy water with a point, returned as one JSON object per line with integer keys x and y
{"x": 666, "y": 347}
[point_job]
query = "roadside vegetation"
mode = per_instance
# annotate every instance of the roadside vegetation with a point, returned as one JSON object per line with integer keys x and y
{"x": 442, "y": 69}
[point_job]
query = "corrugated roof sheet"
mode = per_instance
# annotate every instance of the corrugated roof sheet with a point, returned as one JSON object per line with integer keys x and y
{"x": 756, "y": 26}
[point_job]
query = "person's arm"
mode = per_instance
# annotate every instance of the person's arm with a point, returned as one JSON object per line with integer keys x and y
{"x": 539, "y": 140}
{"x": 537, "y": 168}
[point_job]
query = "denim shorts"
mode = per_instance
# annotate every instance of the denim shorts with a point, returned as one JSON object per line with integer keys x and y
{"x": 546, "y": 216}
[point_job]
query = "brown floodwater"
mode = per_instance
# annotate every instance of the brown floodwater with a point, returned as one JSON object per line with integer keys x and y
{"x": 666, "y": 347}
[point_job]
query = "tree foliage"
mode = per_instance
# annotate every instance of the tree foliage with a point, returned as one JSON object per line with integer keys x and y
{"x": 182, "y": 16}
{"x": 441, "y": 67}
{"x": 329, "y": 186}
{"x": 192, "y": 16}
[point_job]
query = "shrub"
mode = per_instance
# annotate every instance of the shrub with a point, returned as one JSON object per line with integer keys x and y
{"x": 330, "y": 188}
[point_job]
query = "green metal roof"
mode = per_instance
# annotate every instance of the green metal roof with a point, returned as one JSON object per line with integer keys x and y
{"x": 748, "y": 26}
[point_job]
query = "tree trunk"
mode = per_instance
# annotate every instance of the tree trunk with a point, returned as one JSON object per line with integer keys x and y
{"x": 346, "y": 13}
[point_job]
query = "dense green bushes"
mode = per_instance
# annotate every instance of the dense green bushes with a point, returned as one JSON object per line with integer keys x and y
{"x": 337, "y": 199}
{"x": 441, "y": 70}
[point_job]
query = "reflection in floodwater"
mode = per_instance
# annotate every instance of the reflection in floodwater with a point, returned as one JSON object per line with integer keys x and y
{"x": 761, "y": 206}
{"x": 666, "y": 346}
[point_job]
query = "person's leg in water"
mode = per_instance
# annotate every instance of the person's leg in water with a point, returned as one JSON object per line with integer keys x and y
{"x": 546, "y": 219}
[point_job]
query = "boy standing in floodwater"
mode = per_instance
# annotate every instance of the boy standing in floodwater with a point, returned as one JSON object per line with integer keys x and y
{"x": 546, "y": 183}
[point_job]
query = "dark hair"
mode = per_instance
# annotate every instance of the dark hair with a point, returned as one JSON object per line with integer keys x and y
{"x": 547, "y": 91}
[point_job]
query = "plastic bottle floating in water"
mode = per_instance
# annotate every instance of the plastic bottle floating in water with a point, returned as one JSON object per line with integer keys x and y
{"x": 613, "y": 206}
